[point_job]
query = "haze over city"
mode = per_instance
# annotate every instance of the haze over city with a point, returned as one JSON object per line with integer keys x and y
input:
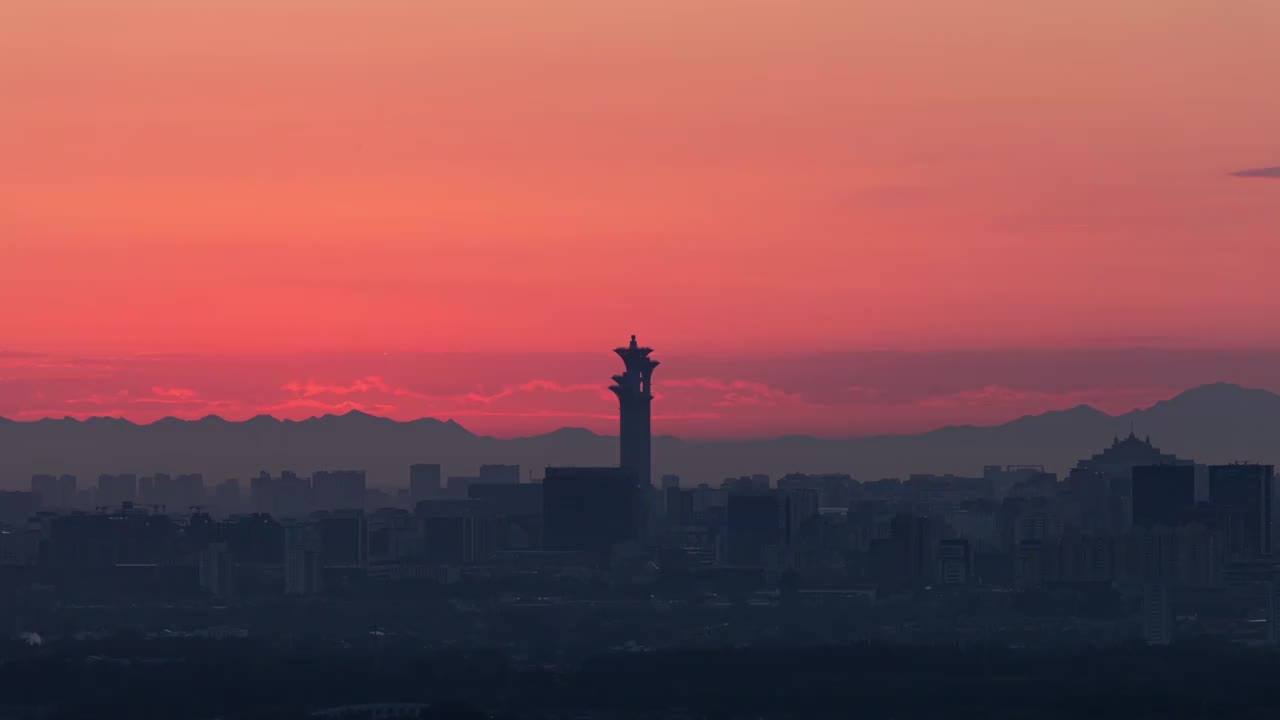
{"x": 607, "y": 359}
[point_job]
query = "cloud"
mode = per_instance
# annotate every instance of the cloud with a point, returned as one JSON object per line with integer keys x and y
{"x": 44, "y": 366}
{"x": 175, "y": 393}
{"x": 1267, "y": 172}
{"x": 535, "y": 386}
{"x": 1034, "y": 401}
{"x": 99, "y": 399}
{"x": 362, "y": 385}
{"x": 735, "y": 393}
{"x": 989, "y": 395}
{"x": 303, "y": 403}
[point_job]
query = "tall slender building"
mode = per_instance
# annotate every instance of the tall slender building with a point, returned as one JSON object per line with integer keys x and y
{"x": 634, "y": 391}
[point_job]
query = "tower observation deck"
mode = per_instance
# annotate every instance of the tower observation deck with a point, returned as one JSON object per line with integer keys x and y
{"x": 634, "y": 390}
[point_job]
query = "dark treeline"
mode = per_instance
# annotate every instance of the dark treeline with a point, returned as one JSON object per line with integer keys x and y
{"x": 240, "y": 679}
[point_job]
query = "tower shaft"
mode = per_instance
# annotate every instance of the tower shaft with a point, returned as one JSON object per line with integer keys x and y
{"x": 634, "y": 392}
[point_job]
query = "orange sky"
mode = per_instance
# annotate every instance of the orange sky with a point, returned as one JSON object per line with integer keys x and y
{"x": 311, "y": 176}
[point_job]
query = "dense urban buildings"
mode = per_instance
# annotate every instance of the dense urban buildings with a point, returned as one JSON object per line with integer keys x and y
{"x": 590, "y": 510}
{"x": 1134, "y": 543}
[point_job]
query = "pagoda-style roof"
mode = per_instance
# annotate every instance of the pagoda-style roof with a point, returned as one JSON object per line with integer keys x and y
{"x": 1125, "y": 453}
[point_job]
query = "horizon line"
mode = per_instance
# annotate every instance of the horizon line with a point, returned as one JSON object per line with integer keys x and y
{"x": 450, "y": 421}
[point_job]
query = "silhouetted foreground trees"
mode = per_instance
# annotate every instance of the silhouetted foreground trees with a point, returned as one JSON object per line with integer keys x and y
{"x": 243, "y": 680}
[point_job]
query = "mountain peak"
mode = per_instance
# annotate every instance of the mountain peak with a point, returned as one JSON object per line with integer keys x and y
{"x": 1219, "y": 395}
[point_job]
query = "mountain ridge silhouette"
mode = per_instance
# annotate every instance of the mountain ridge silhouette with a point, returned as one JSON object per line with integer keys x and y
{"x": 1217, "y": 422}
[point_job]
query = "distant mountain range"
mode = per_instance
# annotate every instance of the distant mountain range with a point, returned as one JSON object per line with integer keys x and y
{"x": 1211, "y": 423}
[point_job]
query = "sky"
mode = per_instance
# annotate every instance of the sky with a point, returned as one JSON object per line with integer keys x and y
{"x": 234, "y": 198}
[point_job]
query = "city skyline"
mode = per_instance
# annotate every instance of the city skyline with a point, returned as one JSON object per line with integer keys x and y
{"x": 686, "y": 360}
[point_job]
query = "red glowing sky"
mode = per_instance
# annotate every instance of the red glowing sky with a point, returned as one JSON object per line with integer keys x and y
{"x": 299, "y": 179}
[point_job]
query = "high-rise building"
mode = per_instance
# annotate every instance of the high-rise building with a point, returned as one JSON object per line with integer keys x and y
{"x": 1273, "y": 612}
{"x": 55, "y": 491}
{"x": 516, "y": 512}
{"x": 457, "y": 487}
{"x": 455, "y": 532}
{"x": 424, "y": 482}
{"x": 954, "y": 562}
{"x": 1240, "y": 502}
{"x": 113, "y": 490}
{"x": 256, "y": 539}
{"x": 753, "y": 524}
{"x": 174, "y": 493}
{"x": 1157, "y": 615}
{"x": 799, "y": 507}
{"x": 217, "y": 571}
{"x": 146, "y": 490}
{"x": 1163, "y": 495}
{"x": 16, "y": 507}
{"x": 302, "y": 568}
{"x": 1099, "y": 490}
{"x": 589, "y": 509}
{"x": 917, "y": 536}
{"x": 508, "y": 499}
{"x": 344, "y": 538}
{"x": 46, "y": 486}
{"x": 227, "y": 495}
{"x": 635, "y": 394}
{"x": 163, "y": 491}
{"x": 338, "y": 490}
{"x": 283, "y": 496}
{"x": 499, "y": 474}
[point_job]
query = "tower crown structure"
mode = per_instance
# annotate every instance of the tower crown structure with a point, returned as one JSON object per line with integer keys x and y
{"x": 635, "y": 393}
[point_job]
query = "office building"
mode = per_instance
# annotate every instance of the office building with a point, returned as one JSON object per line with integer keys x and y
{"x": 589, "y": 509}
{"x": 955, "y": 563}
{"x": 1273, "y": 612}
{"x": 217, "y": 571}
{"x": 147, "y": 490}
{"x": 115, "y": 490}
{"x": 17, "y": 507}
{"x": 499, "y": 474}
{"x": 302, "y": 565}
{"x": 799, "y": 507}
{"x": 256, "y": 539}
{"x": 455, "y": 532}
{"x": 424, "y": 482}
{"x": 508, "y": 499}
{"x": 1157, "y": 615}
{"x": 1240, "y": 503}
{"x": 457, "y": 487}
{"x": 287, "y": 495}
{"x": 338, "y": 490}
{"x": 1163, "y": 495}
{"x": 227, "y": 495}
{"x": 754, "y": 524}
{"x": 57, "y": 492}
{"x": 516, "y": 512}
{"x": 343, "y": 537}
